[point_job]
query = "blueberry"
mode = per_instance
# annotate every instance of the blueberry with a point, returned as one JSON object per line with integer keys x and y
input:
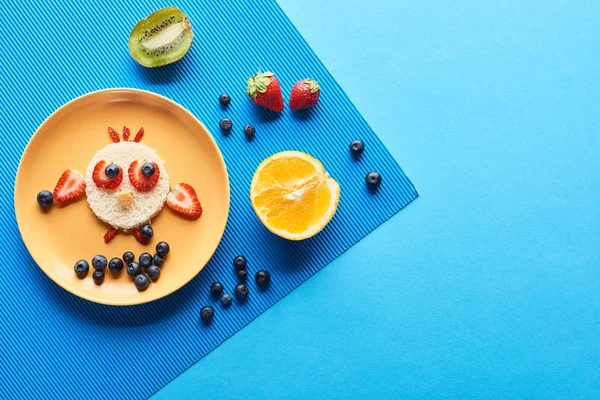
{"x": 99, "y": 262}
{"x": 242, "y": 274}
{"x": 44, "y": 198}
{"x": 147, "y": 231}
{"x": 158, "y": 260}
{"x": 111, "y": 170}
{"x": 115, "y": 264}
{"x": 224, "y": 99}
{"x": 141, "y": 282}
{"x": 154, "y": 272}
{"x": 241, "y": 291}
{"x": 128, "y": 257}
{"x": 225, "y": 124}
{"x": 98, "y": 277}
{"x": 148, "y": 169}
{"x": 226, "y": 300}
{"x": 373, "y": 180}
{"x": 207, "y": 313}
{"x": 240, "y": 262}
{"x": 145, "y": 260}
{"x": 134, "y": 269}
{"x": 81, "y": 268}
{"x": 216, "y": 288}
{"x": 249, "y": 130}
{"x": 262, "y": 278}
{"x": 357, "y": 147}
{"x": 162, "y": 248}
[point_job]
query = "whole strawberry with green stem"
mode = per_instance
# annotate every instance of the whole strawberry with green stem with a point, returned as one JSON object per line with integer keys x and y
{"x": 264, "y": 90}
{"x": 305, "y": 94}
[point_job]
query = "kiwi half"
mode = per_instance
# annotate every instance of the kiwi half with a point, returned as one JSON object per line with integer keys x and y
{"x": 161, "y": 38}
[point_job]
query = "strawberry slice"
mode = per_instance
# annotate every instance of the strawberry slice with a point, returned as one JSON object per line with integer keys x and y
{"x": 126, "y": 133}
{"x": 138, "y": 236}
{"x": 140, "y": 181}
{"x": 183, "y": 199}
{"x": 113, "y": 135}
{"x": 70, "y": 186}
{"x": 102, "y": 180}
{"x": 110, "y": 235}
{"x": 139, "y": 135}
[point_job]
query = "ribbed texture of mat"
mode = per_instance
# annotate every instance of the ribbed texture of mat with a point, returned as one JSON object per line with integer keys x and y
{"x": 55, "y": 345}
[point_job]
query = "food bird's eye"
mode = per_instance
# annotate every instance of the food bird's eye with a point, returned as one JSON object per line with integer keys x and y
{"x": 143, "y": 175}
{"x": 108, "y": 176}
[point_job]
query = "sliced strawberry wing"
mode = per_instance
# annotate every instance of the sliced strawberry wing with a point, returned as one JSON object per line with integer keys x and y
{"x": 138, "y": 236}
{"x": 183, "y": 199}
{"x": 70, "y": 186}
{"x": 113, "y": 135}
{"x": 126, "y": 133}
{"x": 140, "y": 181}
{"x": 139, "y": 135}
{"x": 102, "y": 180}
{"x": 110, "y": 235}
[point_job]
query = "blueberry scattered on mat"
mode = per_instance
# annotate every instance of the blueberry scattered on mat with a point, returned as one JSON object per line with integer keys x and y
{"x": 81, "y": 268}
{"x": 241, "y": 291}
{"x": 115, "y": 264}
{"x": 373, "y": 180}
{"x": 226, "y": 300}
{"x": 141, "y": 282}
{"x": 216, "y": 288}
{"x": 162, "y": 248}
{"x": 128, "y": 257}
{"x": 98, "y": 277}
{"x": 134, "y": 269}
{"x": 158, "y": 259}
{"x": 207, "y": 313}
{"x": 242, "y": 274}
{"x": 154, "y": 272}
{"x": 249, "y": 130}
{"x": 224, "y": 99}
{"x": 45, "y": 198}
{"x": 262, "y": 278}
{"x": 357, "y": 147}
{"x": 225, "y": 124}
{"x": 99, "y": 262}
{"x": 240, "y": 262}
{"x": 147, "y": 231}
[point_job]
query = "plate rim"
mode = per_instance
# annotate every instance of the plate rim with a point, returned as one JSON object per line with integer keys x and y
{"x": 100, "y": 299}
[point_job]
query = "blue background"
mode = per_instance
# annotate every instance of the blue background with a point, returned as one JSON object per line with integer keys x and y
{"x": 487, "y": 285}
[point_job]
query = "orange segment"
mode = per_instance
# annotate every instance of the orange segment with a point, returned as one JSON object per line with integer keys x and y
{"x": 293, "y": 196}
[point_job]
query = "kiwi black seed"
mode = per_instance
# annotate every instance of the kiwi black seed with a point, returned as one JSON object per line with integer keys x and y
{"x": 161, "y": 38}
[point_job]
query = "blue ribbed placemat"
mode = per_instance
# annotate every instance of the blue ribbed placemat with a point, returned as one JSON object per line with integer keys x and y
{"x": 55, "y": 345}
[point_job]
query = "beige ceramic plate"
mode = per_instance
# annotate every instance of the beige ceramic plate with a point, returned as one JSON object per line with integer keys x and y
{"x": 60, "y": 236}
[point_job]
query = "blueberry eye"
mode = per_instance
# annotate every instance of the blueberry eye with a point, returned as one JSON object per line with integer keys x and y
{"x": 148, "y": 169}
{"x": 111, "y": 170}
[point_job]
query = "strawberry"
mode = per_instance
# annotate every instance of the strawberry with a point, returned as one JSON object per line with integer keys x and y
{"x": 305, "y": 94}
{"x": 138, "y": 236}
{"x": 102, "y": 180}
{"x": 113, "y": 135}
{"x": 183, "y": 199}
{"x": 126, "y": 133}
{"x": 110, "y": 234}
{"x": 139, "y": 135}
{"x": 70, "y": 186}
{"x": 264, "y": 90}
{"x": 140, "y": 181}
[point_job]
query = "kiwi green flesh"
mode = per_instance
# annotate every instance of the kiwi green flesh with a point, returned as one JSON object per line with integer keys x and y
{"x": 162, "y": 38}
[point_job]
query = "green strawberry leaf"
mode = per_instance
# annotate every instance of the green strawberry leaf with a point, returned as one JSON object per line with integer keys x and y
{"x": 313, "y": 85}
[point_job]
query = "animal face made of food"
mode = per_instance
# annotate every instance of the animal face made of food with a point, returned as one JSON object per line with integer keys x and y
{"x": 126, "y": 185}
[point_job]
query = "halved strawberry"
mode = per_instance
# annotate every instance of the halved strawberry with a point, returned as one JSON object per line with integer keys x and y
{"x": 110, "y": 234}
{"x": 70, "y": 186}
{"x": 139, "y": 135}
{"x": 183, "y": 199}
{"x": 138, "y": 236}
{"x": 140, "y": 181}
{"x": 113, "y": 135}
{"x": 126, "y": 133}
{"x": 102, "y": 180}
